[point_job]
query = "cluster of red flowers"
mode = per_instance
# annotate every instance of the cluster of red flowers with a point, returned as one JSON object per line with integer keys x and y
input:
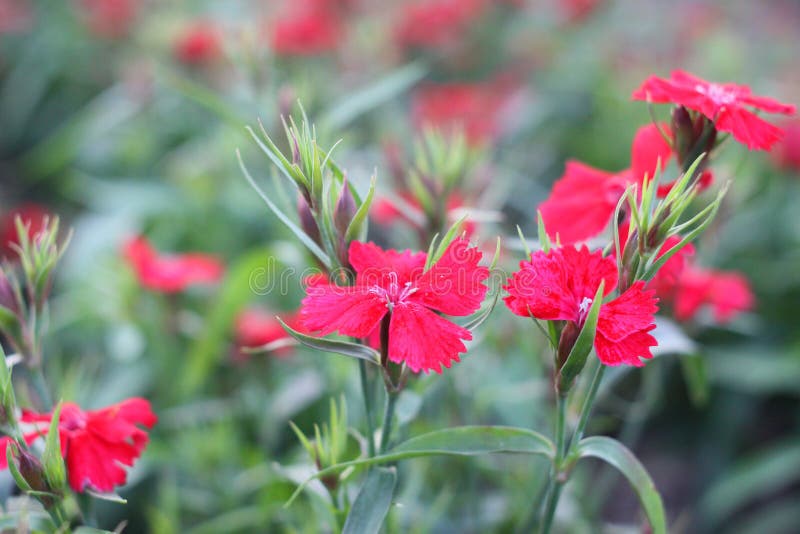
{"x": 96, "y": 444}
{"x": 395, "y": 286}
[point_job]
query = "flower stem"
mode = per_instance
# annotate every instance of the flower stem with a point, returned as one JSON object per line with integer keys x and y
{"x": 588, "y": 404}
{"x": 388, "y": 417}
{"x": 365, "y": 389}
{"x": 555, "y": 484}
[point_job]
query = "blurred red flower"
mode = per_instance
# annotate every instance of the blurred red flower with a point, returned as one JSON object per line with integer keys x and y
{"x": 560, "y": 285}
{"x": 173, "y": 273}
{"x": 308, "y": 28}
{"x": 395, "y": 284}
{"x": 199, "y": 43}
{"x": 33, "y": 215}
{"x": 584, "y": 198}
{"x": 474, "y": 107}
{"x": 724, "y": 103}
{"x": 95, "y": 444}
{"x": 110, "y": 18}
{"x": 256, "y": 327}
{"x": 15, "y": 16}
{"x": 787, "y": 152}
{"x": 726, "y": 293}
{"x": 578, "y": 10}
{"x": 436, "y": 23}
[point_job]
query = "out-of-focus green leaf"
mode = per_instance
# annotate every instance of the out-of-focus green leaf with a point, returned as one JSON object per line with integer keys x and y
{"x": 780, "y": 516}
{"x": 456, "y": 441}
{"x": 372, "y": 503}
{"x": 756, "y": 370}
{"x": 617, "y": 455}
{"x": 354, "y": 350}
{"x": 52, "y": 460}
{"x": 234, "y": 294}
{"x": 753, "y": 478}
{"x": 695, "y": 373}
{"x": 357, "y": 229}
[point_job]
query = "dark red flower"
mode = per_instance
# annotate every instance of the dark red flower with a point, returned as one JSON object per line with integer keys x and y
{"x": 198, "y": 44}
{"x": 170, "y": 274}
{"x": 95, "y": 444}
{"x": 110, "y": 18}
{"x": 787, "y": 152}
{"x": 726, "y": 293}
{"x": 395, "y": 283}
{"x": 256, "y": 327}
{"x": 432, "y": 24}
{"x": 473, "y": 107}
{"x": 306, "y": 30}
{"x": 584, "y": 198}
{"x": 31, "y": 214}
{"x": 724, "y": 103}
{"x": 560, "y": 286}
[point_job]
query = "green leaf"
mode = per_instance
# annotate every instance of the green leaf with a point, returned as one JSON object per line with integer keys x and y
{"x": 456, "y": 441}
{"x": 544, "y": 239}
{"x": 357, "y": 229}
{"x": 53, "y": 462}
{"x": 110, "y": 497}
{"x": 583, "y": 345}
{"x": 372, "y": 503}
{"x": 753, "y": 478}
{"x": 354, "y": 350}
{"x": 383, "y": 90}
{"x": 448, "y": 238}
{"x": 617, "y": 455}
{"x": 695, "y": 373}
{"x": 12, "y": 467}
{"x": 296, "y": 230}
{"x": 479, "y": 318}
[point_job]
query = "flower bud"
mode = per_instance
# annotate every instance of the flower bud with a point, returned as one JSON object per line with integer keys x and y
{"x": 683, "y": 130}
{"x": 8, "y": 299}
{"x": 307, "y": 221}
{"x": 345, "y": 209}
{"x": 31, "y": 470}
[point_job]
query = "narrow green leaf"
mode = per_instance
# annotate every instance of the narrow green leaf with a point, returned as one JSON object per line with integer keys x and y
{"x": 373, "y": 502}
{"x": 12, "y": 467}
{"x": 357, "y": 229}
{"x": 448, "y": 238}
{"x": 524, "y": 242}
{"x": 479, "y": 318}
{"x": 583, "y": 345}
{"x": 110, "y": 497}
{"x": 53, "y": 462}
{"x": 354, "y": 350}
{"x": 456, "y": 441}
{"x": 306, "y": 240}
{"x": 695, "y": 373}
{"x": 617, "y": 455}
{"x": 544, "y": 239}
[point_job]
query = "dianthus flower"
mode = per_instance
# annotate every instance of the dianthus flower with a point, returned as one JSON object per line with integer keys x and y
{"x": 724, "y": 103}
{"x": 560, "y": 285}
{"x": 306, "y": 30}
{"x": 173, "y": 273}
{"x": 584, "y": 198}
{"x": 726, "y": 293}
{"x": 394, "y": 285}
{"x": 199, "y": 43}
{"x": 95, "y": 444}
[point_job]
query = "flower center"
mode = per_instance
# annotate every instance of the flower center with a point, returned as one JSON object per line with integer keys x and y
{"x": 717, "y": 93}
{"x": 583, "y": 309}
{"x": 393, "y": 293}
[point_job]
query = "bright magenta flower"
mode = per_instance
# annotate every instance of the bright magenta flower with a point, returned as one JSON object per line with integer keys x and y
{"x": 95, "y": 444}
{"x": 395, "y": 284}
{"x": 560, "y": 285}
{"x": 170, "y": 274}
{"x": 584, "y": 198}
{"x": 724, "y": 103}
{"x": 726, "y": 293}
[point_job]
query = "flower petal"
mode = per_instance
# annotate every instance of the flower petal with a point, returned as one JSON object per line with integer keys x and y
{"x": 623, "y": 326}
{"x": 373, "y": 264}
{"x": 353, "y": 311}
{"x": 423, "y": 340}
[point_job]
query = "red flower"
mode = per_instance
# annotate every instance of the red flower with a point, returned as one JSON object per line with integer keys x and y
{"x": 394, "y": 284}
{"x": 308, "y": 29}
{"x": 15, "y": 16}
{"x": 584, "y": 198}
{"x": 170, "y": 274}
{"x": 724, "y": 103}
{"x": 436, "y": 23}
{"x": 256, "y": 328}
{"x": 199, "y": 43}
{"x": 560, "y": 285}
{"x": 473, "y": 107}
{"x": 110, "y": 18}
{"x": 95, "y": 444}
{"x": 787, "y": 154}
{"x": 578, "y": 10}
{"x": 30, "y": 214}
{"x": 727, "y": 293}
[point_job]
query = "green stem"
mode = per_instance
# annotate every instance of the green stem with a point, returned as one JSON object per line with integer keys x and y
{"x": 37, "y": 381}
{"x": 388, "y": 418}
{"x": 365, "y": 390}
{"x": 555, "y": 484}
{"x": 588, "y": 404}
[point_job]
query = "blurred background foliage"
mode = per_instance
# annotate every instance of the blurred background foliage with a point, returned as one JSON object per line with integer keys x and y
{"x": 123, "y": 117}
